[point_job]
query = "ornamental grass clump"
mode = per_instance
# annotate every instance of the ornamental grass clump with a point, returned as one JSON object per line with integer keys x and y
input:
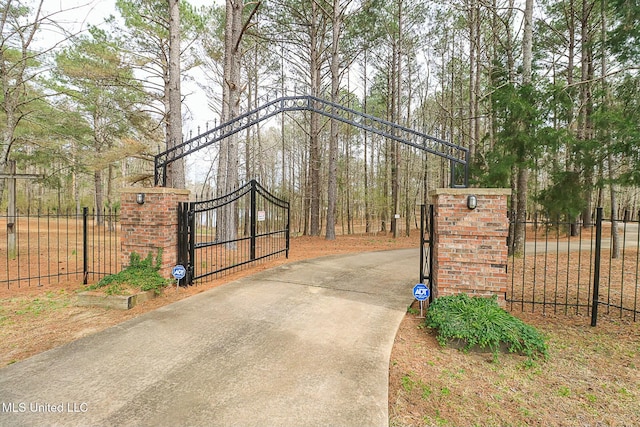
{"x": 481, "y": 322}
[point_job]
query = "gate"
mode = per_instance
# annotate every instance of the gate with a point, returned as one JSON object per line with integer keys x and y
{"x": 247, "y": 225}
{"x": 426, "y": 247}
{"x": 457, "y": 156}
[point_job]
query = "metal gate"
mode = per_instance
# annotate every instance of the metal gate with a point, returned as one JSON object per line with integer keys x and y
{"x": 426, "y": 247}
{"x": 228, "y": 232}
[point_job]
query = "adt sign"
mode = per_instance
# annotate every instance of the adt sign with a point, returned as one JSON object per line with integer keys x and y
{"x": 421, "y": 292}
{"x": 179, "y": 272}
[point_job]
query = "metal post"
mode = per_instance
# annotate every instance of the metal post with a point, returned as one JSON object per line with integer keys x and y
{"x": 85, "y": 245}
{"x": 596, "y": 268}
{"x": 430, "y": 227}
{"x": 253, "y": 225}
{"x": 288, "y": 229}
{"x": 183, "y": 229}
{"x": 422, "y": 219}
{"x": 191, "y": 219}
{"x": 12, "y": 212}
{"x": 467, "y": 156}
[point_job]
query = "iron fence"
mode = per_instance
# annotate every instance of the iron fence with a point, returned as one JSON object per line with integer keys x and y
{"x": 585, "y": 270}
{"x": 44, "y": 248}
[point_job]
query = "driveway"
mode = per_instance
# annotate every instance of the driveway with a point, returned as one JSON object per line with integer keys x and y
{"x": 628, "y": 233}
{"x": 305, "y": 344}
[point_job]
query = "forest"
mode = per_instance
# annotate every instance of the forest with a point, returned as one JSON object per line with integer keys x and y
{"x": 544, "y": 94}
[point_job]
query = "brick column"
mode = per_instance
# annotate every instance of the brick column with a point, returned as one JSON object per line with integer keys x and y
{"x": 151, "y": 226}
{"x": 470, "y": 247}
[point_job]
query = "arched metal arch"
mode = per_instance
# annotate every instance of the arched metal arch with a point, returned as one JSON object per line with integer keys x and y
{"x": 458, "y": 156}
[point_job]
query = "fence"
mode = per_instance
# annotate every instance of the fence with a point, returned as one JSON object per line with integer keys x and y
{"x": 39, "y": 249}
{"x": 593, "y": 270}
{"x": 222, "y": 234}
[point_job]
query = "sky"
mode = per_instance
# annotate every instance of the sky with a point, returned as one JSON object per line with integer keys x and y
{"x": 78, "y": 15}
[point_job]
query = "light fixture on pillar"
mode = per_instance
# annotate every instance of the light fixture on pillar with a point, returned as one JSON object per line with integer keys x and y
{"x": 472, "y": 202}
{"x": 140, "y": 198}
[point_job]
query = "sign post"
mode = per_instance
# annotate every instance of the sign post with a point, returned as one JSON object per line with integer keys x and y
{"x": 421, "y": 292}
{"x": 178, "y": 273}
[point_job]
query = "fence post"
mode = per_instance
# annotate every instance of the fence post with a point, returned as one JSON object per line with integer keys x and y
{"x": 422, "y": 214}
{"x": 184, "y": 229}
{"x": 253, "y": 224}
{"x": 190, "y": 217}
{"x": 288, "y": 230}
{"x": 596, "y": 268}
{"x": 85, "y": 246}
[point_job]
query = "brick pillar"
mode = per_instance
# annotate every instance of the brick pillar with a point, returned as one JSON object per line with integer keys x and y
{"x": 151, "y": 226}
{"x": 470, "y": 248}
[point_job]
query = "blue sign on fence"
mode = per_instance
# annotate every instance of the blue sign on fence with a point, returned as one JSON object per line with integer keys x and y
{"x": 179, "y": 272}
{"x": 421, "y": 292}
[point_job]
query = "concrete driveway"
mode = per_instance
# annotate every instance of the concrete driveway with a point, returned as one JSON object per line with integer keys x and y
{"x": 305, "y": 344}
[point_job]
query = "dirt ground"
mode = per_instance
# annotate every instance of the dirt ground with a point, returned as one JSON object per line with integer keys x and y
{"x": 34, "y": 319}
{"x": 592, "y": 377}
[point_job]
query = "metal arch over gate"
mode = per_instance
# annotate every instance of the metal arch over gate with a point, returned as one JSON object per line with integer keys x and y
{"x": 262, "y": 231}
{"x": 458, "y": 156}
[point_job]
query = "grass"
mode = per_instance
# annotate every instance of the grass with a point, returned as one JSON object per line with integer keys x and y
{"x": 48, "y": 302}
{"x": 141, "y": 274}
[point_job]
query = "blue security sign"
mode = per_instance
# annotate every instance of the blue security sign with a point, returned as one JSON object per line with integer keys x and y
{"x": 179, "y": 272}
{"x": 421, "y": 292}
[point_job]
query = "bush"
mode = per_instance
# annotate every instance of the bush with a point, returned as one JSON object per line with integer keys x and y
{"x": 481, "y": 322}
{"x": 141, "y": 274}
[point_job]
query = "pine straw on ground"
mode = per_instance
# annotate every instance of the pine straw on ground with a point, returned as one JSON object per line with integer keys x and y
{"x": 34, "y": 319}
{"x": 592, "y": 376}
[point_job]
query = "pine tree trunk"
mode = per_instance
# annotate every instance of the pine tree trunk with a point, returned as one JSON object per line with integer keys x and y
{"x": 334, "y": 66}
{"x": 228, "y": 159}
{"x": 523, "y": 171}
{"x": 175, "y": 171}
{"x": 314, "y": 131}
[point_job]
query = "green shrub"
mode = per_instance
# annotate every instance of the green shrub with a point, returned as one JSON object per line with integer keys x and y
{"x": 141, "y": 274}
{"x": 481, "y": 322}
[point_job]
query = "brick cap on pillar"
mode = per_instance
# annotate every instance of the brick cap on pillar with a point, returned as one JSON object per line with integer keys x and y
{"x": 154, "y": 190}
{"x": 468, "y": 191}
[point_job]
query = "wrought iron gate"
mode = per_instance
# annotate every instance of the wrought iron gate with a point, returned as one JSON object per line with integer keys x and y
{"x": 217, "y": 235}
{"x": 426, "y": 247}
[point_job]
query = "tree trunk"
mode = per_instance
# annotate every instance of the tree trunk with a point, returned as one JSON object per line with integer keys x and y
{"x": 615, "y": 234}
{"x": 99, "y": 189}
{"x": 334, "y": 66}
{"x": 523, "y": 171}
{"x": 367, "y": 213}
{"x": 586, "y": 102}
{"x": 175, "y": 171}
{"x": 314, "y": 137}
{"x": 473, "y": 80}
{"x": 228, "y": 166}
